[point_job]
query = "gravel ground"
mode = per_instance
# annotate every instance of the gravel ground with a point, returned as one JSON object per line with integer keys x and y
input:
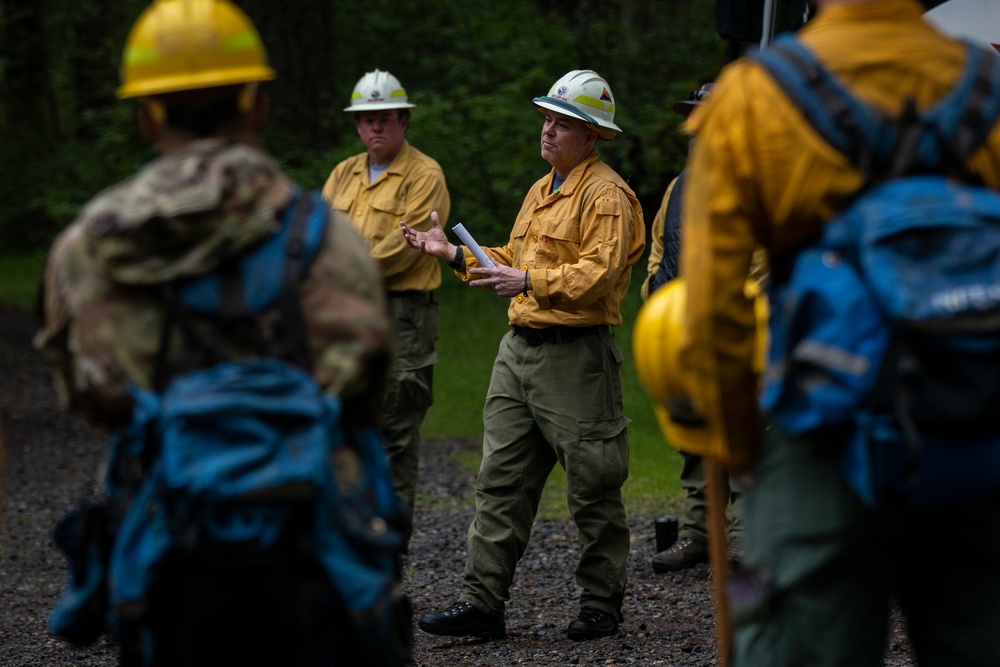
{"x": 52, "y": 459}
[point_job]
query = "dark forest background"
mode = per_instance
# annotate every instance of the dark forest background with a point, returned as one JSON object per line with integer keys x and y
{"x": 470, "y": 66}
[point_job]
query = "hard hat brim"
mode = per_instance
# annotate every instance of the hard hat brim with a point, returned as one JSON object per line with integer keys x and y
{"x": 685, "y": 107}
{"x": 691, "y": 439}
{"x": 160, "y": 85}
{"x": 378, "y": 106}
{"x": 568, "y": 109}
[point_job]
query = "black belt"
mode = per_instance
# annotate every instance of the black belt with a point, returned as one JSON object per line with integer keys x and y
{"x": 398, "y": 294}
{"x": 557, "y": 334}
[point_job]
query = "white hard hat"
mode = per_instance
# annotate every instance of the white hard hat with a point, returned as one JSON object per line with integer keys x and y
{"x": 378, "y": 90}
{"x": 585, "y": 95}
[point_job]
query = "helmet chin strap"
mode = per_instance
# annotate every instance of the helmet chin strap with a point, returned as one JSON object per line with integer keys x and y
{"x": 157, "y": 110}
{"x": 247, "y": 96}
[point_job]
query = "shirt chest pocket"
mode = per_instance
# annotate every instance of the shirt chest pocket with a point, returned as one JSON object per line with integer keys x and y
{"x": 343, "y": 202}
{"x": 559, "y": 240}
{"x": 389, "y": 205}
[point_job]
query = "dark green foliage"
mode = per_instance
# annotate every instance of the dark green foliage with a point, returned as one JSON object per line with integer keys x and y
{"x": 471, "y": 66}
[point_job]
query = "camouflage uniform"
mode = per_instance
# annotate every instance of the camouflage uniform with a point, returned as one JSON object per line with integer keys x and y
{"x": 182, "y": 215}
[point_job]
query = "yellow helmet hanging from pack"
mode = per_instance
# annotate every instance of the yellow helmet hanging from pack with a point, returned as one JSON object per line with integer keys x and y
{"x": 178, "y": 45}
{"x": 656, "y": 346}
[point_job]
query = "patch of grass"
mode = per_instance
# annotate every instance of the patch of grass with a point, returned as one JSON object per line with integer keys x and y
{"x": 22, "y": 274}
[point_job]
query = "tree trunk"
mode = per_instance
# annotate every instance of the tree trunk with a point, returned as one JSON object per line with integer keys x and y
{"x": 298, "y": 39}
{"x": 26, "y": 86}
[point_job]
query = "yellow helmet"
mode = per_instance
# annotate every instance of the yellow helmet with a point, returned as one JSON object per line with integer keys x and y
{"x": 656, "y": 346}
{"x": 178, "y": 45}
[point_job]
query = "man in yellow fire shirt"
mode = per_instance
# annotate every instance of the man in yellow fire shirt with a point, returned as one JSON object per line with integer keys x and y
{"x": 391, "y": 182}
{"x": 555, "y": 394}
{"x": 759, "y": 173}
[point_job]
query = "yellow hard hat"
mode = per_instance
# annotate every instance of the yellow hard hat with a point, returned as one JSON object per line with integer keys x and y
{"x": 178, "y": 45}
{"x": 656, "y": 341}
{"x": 656, "y": 346}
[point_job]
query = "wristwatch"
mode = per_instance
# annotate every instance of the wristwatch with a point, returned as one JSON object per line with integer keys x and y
{"x": 459, "y": 261}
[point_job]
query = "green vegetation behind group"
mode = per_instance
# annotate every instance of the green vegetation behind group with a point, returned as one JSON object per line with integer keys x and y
{"x": 471, "y": 67}
{"x": 21, "y": 275}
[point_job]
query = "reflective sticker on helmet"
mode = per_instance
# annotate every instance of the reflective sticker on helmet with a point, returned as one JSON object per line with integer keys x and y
{"x": 141, "y": 55}
{"x": 244, "y": 41}
{"x": 597, "y": 104}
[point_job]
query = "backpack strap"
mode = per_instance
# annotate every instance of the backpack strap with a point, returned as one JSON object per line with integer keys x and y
{"x": 941, "y": 137}
{"x": 842, "y": 120}
{"x": 298, "y": 254}
{"x": 964, "y": 118}
{"x": 261, "y": 271}
{"x": 240, "y": 289}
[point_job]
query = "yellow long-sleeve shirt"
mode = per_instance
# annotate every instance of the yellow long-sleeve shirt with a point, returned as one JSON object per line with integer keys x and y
{"x": 408, "y": 190}
{"x": 577, "y": 244}
{"x": 759, "y": 173}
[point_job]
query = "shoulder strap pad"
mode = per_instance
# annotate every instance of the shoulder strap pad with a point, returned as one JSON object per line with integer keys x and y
{"x": 234, "y": 294}
{"x": 262, "y": 275}
{"x": 947, "y": 133}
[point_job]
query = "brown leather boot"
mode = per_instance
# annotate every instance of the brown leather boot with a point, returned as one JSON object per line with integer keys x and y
{"x": 684, "y": 553}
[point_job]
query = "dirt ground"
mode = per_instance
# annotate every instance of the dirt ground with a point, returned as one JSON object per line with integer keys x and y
{"x": 52, "y": 461}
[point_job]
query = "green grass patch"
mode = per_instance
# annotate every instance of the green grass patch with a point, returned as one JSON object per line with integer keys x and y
{"x": 22, "y": 274}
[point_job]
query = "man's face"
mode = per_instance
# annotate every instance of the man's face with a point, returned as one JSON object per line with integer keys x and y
{"x": 382, "y": 133}
{"x": 565, "y": 141}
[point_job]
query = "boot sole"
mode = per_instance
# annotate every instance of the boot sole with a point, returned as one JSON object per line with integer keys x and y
{"x": 590, "y": 633}
{"x": 674, "y": 567}
{"x": 478, "y": 630}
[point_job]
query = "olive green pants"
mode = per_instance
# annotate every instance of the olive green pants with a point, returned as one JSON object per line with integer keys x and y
{"x": 694, "y": 515}
{"x": 546, "y": 404}
{"x": 416, "y": 321}
{"x": 836, "y": 564}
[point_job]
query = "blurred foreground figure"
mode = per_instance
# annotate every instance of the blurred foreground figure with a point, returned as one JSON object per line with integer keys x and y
{"x": 875, "y": 467}
{"x": 234, "y": 334}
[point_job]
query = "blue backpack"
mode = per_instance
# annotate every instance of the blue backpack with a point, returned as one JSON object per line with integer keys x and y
{"x": 887, "y": 328}
{"x": 231, "y": 474}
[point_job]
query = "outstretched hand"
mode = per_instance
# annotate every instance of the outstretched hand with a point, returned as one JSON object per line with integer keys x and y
{"x": 432, "y": 242}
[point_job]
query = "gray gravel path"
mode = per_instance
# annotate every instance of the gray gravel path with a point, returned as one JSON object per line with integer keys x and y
{"x": 52, "y": 460}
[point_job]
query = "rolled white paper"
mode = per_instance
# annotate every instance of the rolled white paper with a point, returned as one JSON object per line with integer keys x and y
{"x": 467, "y": 239}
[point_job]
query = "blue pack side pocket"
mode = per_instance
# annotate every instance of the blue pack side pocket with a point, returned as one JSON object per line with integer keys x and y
{"x": 820, "y": 371}
{"x": 84, "y": 536}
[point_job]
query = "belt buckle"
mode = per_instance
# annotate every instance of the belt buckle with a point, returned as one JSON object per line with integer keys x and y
{"x": 532, "y": 337}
